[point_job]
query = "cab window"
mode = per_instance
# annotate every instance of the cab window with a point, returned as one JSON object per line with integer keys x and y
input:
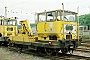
{"x": 69, "y": 16}
{"x": 42, "y": 17}
{"x": 51, "y": 16}
{"x": 9, "y": 22}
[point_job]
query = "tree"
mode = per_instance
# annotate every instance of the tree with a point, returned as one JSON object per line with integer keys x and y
{"x": 84, "y": 19}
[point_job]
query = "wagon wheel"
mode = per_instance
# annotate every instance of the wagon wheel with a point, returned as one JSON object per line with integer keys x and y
{"x": 48, "y": 51}
{"x": 64, "y": 50}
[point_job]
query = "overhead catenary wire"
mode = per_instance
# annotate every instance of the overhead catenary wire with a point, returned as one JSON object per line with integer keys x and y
{"x": 31, "y": 1}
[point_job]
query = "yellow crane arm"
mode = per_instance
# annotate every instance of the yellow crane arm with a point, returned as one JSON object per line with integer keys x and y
{"x": 26, "y": 28}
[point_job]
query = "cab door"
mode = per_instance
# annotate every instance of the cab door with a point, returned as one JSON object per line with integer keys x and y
{"x": 41, "y": 23}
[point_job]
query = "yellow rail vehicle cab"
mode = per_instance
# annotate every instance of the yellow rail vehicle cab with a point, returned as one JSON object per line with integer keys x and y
{"x": 51, "y": 25}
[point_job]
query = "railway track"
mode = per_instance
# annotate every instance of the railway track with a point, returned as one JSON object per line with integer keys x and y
{"x": 67, "y": 57}
{"x": 84, "y": 48}
{"x": 85, "y": 44}
{"x": 80, "y": 55}
{"x": 59, "y": 56}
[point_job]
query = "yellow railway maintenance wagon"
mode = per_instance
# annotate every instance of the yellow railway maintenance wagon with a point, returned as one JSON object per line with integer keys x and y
{"x": 57, "y": 30}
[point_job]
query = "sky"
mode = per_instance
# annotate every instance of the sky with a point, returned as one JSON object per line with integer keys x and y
{"x": 26, "y": 9}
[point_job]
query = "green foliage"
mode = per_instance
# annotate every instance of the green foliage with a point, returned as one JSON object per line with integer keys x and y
{"x": 6, "y": 59}
{"x": 32, "y": 25}
{"x": 19, "y": 26}
{"x": 84, "y": 19}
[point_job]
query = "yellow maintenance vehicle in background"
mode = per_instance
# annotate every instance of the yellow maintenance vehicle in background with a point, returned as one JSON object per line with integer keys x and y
{"x": 8, "y": 27}
{"x": 10, "y": 34}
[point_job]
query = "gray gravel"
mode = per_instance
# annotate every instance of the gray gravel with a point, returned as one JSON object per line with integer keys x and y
{"x": 5, "y": 54}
